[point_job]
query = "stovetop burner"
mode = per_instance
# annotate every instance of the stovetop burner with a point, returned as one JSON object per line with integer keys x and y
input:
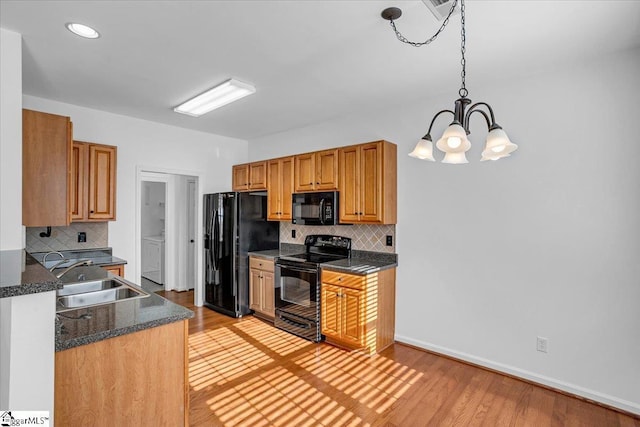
{"x": 322, "y": 248}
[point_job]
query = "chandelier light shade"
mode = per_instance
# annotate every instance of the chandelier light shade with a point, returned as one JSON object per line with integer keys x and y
{"x": 454, "y": 141}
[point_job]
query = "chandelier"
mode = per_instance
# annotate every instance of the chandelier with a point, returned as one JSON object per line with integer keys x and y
{"x": 454, "y": 142}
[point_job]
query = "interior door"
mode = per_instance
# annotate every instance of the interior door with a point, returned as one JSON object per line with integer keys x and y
{"x": 191, "y": 234}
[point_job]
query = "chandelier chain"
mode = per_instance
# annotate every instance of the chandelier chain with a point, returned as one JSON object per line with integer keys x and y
{"x": 403, "y": 39}
{"x": 463, "y": 92}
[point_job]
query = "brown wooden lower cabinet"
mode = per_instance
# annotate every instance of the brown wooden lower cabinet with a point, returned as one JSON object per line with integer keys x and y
{"x": 358, "y": 312}
{"x": 115, "y": 269}
{"x": 134, "y": 379}
{"x": 262, "y": 287}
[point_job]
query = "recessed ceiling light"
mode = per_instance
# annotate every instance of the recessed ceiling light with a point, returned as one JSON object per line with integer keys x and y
{"x": 82, "y": 30}
{"x": 223, "y": 94}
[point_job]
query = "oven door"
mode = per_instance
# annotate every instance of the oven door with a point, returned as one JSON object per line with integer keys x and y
{"x": 297, "y": 290}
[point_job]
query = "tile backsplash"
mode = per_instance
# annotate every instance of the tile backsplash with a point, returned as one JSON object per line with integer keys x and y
{"x": 364, "y": 237}
{"x": 66, "y": 238}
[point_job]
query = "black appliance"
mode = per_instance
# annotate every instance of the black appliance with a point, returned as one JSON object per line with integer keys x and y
{"x": 315, "y": 208}
{"x": 234, "y": 224}
{"x": 297, "y": 278}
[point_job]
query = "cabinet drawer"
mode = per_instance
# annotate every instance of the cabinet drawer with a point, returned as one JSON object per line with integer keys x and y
{"x": 261, "y": 264}
{"x": 343, "y": 279}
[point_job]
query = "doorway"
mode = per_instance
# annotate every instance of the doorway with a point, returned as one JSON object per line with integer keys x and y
{"x": 167, "y": 218}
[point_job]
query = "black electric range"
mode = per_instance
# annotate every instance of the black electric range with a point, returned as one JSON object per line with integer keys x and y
{"x": 297, "y": 287}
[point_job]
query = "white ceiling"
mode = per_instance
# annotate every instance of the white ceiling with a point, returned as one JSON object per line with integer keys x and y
{"x": 309, "y": 60}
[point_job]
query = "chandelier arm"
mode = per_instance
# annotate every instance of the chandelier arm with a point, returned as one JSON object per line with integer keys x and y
{"x": 466, "y": 119}
{"x": 387, "y": 14}
{"x": 476, "y": 107}
{"x": 435, "y": 117}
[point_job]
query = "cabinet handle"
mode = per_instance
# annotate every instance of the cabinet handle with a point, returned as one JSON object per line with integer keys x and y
{"x": 339, "y": 279}
{"x": 90, "y": 211}
{"x": 317, "y": 183}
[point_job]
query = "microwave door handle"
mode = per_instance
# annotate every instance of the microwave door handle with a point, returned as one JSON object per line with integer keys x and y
{"x": 321, "y": 211}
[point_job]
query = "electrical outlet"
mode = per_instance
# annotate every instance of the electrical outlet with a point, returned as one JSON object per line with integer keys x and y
{"x": 542, "y": 344}
{"x": 82, "y": 236}
{"x": 389, "y": 240}
{"x": 293, "y": 234}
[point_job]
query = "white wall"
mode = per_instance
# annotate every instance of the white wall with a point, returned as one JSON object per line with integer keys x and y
{"x": 11, "y": 230}
{"x": 544, "y": 243}
{"x": 154, "y": 146}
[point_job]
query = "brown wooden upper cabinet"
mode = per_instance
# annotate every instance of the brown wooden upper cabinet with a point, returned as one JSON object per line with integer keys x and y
{"x": 93, "y": 182}
{"x": 317, "y": 171}
{"x": 250, "y": 176}
{"x": 279, "y": 189}
{"x": 46, "y": 169}
{"x": 368, "y": 183}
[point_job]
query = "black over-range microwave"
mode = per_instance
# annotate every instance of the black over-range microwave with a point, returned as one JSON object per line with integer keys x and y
{"x": 315, "y": 208}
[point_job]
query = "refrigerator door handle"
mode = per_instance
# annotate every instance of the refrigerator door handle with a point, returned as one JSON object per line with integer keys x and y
{"x": 216, "y": 243}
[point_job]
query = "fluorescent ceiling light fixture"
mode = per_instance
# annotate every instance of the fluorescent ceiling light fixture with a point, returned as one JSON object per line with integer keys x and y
{"x": 82, "y": 30}
{"x": 223, "y": 94}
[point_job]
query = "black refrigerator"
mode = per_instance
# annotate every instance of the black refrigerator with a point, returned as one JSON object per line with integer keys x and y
{"x": 234, "y": 224}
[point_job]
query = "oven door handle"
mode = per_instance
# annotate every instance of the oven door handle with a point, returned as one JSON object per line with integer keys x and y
{"x": 296, "y": 268}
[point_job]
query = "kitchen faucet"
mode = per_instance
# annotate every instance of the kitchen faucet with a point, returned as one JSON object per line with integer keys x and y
{"x": 44, "y": 258}
{"x": 74, "y": 265}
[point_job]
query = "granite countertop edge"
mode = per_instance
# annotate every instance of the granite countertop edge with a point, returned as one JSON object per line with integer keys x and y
{"x": 30, "y": 288}
{"x": 112, "y": 333}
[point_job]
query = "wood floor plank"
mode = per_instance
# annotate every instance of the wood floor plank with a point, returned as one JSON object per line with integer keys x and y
{"x": 245, "y": 372}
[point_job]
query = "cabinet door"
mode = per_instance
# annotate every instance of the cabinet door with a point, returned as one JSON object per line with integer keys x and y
{"x": 349, "y": 184}
{"x": 255, "y": 289}
{"x": 327, "y": 170}
{"x": 102, "y": 182}
{"x": 79, "y": 181}
{"x": 352, "y": 316}
{"x": 371, "y": 182}
{"x": 286, "y": 175}
{"x": 46, "y": 169}
{"x": 240, "y": 177}
{"x": 330, "y": 303}
{"x": 268, "y": 294}
{"x": 115, "y": 269}
{"x": 274, "y": 190}
{"x": 305, "y": 172}
{"x": 258, "y": 176}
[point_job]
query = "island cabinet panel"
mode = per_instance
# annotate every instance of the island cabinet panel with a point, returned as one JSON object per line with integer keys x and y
{"x": 249, "y": 176}
{"x": 93, "y": 182}
{"x": 46, "y": 169}
{"x": 358, "y": 312}
{"x": 134, "y": 379}
{"x": 279, "y": 189}
{"x": 368, "y": 183}
{"x": 317, "y": 171}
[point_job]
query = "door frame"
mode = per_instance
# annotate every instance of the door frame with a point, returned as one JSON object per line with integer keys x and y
{"x": 143, "y": 173}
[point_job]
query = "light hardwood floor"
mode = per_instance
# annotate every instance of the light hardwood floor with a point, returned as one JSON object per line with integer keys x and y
{"x": 244, "y": 372}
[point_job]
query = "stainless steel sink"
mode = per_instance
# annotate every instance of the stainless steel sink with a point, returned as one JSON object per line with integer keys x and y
{"x": 96, "y": 292}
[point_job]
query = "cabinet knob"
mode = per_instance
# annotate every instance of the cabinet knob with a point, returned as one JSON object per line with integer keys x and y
{"x": 90, "y": 211}
{"x": 339, "y": 279}
{"x": 317, "y": 183}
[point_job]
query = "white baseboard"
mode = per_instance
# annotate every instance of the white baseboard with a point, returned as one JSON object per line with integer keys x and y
{"x": 606, "y": 399}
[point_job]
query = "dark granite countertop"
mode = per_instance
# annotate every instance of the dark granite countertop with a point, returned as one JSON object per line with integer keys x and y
{"x": 115, "y": 319}
{"x": 102, "y": 257}
{"x": 21, "y": 274}
{"x": 361, "y": 262}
